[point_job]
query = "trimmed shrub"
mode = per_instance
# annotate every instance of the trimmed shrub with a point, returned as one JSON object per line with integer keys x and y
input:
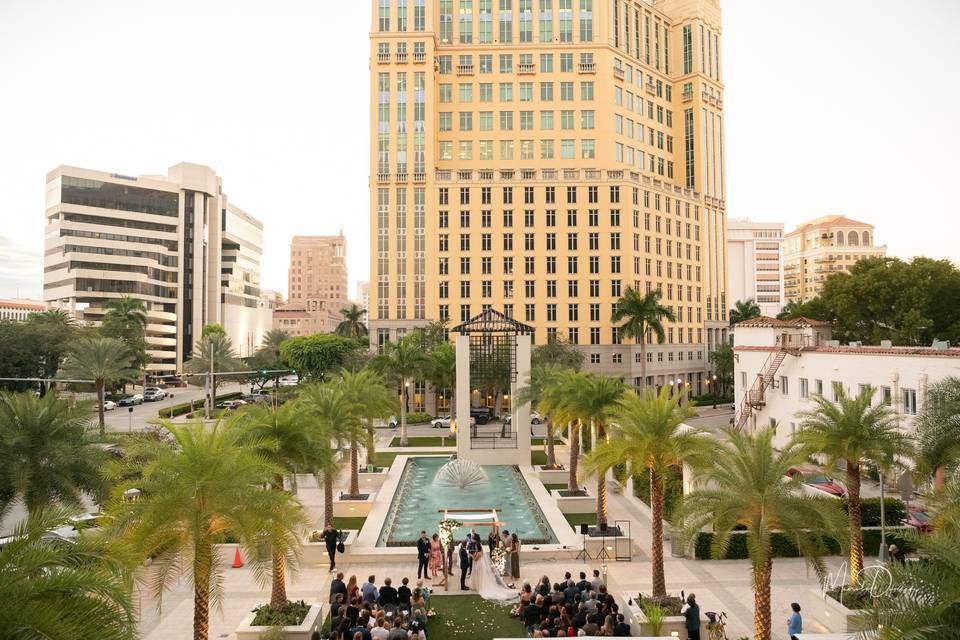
{"x": 784, "y": 548}
{"x": 417, "y": 417}
{"x": 291, "y": 615}
{"x": 188, "y": 407}
{"x": 895, "y": 511}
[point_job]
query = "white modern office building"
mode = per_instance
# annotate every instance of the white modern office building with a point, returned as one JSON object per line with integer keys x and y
{"x": 780, "y": 365}
{"x": 755, "y": 264}
{"x": 173, "y": 241}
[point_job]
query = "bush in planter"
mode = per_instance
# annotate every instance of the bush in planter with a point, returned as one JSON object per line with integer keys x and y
{"x": 851, "y": 598}
{"x": 655, "y": 615}
{"x": 290, "y": 616}
{"x": 670, "y": 605}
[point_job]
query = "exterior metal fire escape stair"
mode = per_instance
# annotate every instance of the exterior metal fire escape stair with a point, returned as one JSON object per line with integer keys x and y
{"x": 755, "y": 396}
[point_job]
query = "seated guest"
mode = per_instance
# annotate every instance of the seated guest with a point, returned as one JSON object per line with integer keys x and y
{"x": 417, "y": 603}
{"x": 621, "y": 629}
{"x": 425, "y": 592}
{"x": 353, "y": 591}
{"x": 580, "y": 619}
{"x": 607, "y": 629}
{"x": 591, "y": 628}
{"x": 584, "y": 584}
{"x": 526, "y": 597}
{"x": 597, "y": 580}
{"x": 570, "y": 591}
{"x": 418, "y": 625}
{"x": 388, "y": 595}
{"x": 379, "y": 631}
{"x": 531, "y": 615}
{"x": 556, "y": 596}
{"x": 360, "y": 629}
{"x": 398, "y": 632}
{"x": 369, "y": 591}
{"x": 403, "y": 594}
{"x": 543, "y": 588}
{"x": 591, "y": 602}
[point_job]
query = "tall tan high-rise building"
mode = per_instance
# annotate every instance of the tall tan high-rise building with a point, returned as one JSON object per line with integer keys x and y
{"x": 821, "y": 247}
{"x": 317, "y": 285}
{"x": 542, "y": 156}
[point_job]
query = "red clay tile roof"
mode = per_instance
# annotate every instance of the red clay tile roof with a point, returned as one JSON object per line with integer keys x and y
{"x": 767, "y": 321}
{"x": 29, "y": 306}
{"x": 928, "y": 352}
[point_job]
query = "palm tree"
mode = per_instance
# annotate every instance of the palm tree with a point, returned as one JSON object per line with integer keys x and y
{"x": 104, "y": 361}
{"x": 440, "y": 371}
{"x": 194, "y": 493}
{"x": 938, "y": 430}
{"x": 46, "y": 452}
{"x": 593, "y": 402}
{"x": 62, "y": 591}
{"x": 53, "y": 316}
{"x": 744, "y": 486}
{"x": 352, "y": 324}
{"x": 371, "y": 400}
{"x": 856, "y": 433}
{"x": 555, "y": 402}
{"x": 271, "y": 341}
{"x": 400, "y": 362}
{"x": 744, "y": 310}
{"x": 284, "y": 437}
{"x": 641, "y": 314}
{"x": 792, "y": 309}
{"x": 334, "y": 418}
{"x": 650, "y": 433}
{"x": 924, "y": 603}
{"x": 542, "y": 378}
{"x": 212, "y": 354}
{"x": 127, "y": 309}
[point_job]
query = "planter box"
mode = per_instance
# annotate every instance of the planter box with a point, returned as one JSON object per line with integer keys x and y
{"x": 316, "y": 552}
{"x": 303, "y": 631}
{"x": 575, "y": 504}
{"x": 353, "y": 508}
{"x": 833, "y": 615}
{"x": 553, "y": 476}
{"x": 673, "y": 626}
{"x": 370, "y": 482}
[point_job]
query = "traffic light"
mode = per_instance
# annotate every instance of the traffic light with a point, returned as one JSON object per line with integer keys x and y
{"x": 293, "y": 370}
{"x": 263, "y": 371}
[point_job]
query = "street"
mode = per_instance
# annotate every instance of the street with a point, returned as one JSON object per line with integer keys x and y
{"x": 122, "y": 419}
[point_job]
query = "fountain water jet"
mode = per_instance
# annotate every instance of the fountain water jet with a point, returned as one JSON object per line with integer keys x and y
{"x": 460, "y": 473}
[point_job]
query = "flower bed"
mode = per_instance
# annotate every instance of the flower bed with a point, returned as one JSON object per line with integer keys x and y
{"x": 310, "y": 621}
{"x": 289, "y": 616}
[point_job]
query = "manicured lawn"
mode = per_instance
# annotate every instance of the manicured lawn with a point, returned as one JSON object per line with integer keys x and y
{"x": 348, "y": 523}
{"x": 386, "y": 458}
{"x": 426, "y": 441}
{"x": 576, "y": 519}
{"x": 551, "y": 487}
{"x": 538, "y": 457}
{"x": 471, "y": 618}
{"x": 536, "y": 441}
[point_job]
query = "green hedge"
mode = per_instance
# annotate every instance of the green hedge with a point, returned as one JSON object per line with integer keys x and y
{"x": 784, "y": 548}
{"x": 417, "y": 417}
{"x": 187, "y": 407}
{"x": 895, "y": 511}
{"x": 673, "y": 489}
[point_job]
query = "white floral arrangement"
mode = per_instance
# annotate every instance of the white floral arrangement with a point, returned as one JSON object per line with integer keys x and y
{"x": 499, "y": 559}
{"x": 447, "y": 527}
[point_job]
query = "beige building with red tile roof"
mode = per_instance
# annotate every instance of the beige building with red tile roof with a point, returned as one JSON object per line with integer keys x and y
{"x": 821, "y": 247}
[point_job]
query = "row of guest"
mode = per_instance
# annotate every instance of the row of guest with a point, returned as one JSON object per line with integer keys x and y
{"x": 354, "y": 595}
{"x": 570, "y": 608}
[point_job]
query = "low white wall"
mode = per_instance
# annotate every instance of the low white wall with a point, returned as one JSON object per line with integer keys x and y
{"x": 574, "y": 504}
{"x": 311, "y": 623}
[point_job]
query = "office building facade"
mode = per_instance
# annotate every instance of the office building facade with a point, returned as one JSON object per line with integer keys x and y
{"x": 755, "y": 264}
{"x": 541, "y": 157}
{"x": 317, "y": 285}
{"x": 173, "y": 241}
{"x": 821, "y": 247}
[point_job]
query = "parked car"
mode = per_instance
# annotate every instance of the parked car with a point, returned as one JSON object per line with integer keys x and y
{"x": 289, "y": 382}
{"x": 919, "y": 517}
{"x": 131, "y": 400}
{"x": 230, "y": 404}
{"x": 441, "y": 422}
{"x": 151, "y": 394}
{"x": 481, "y": 414}
{"x": 535, "y": 418}
{"x": 818, "y": 480}
{"x": 253, "y": 398}
{"x": 76, "y": 524}
{"x": 109, "y": 405}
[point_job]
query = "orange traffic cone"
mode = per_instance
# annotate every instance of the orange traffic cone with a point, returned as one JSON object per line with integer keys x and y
{"x": 237, "y": 561}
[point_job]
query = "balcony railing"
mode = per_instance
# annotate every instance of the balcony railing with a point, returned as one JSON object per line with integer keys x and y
{"x": 383, "y": 177}
{"x": 588, "y": 67}
{"x": 526, "y": 68}
{"x": 383, "y": 58}
{"x": 618, "y": 73}
{"x": 492, "y": 436}
{"x": 687, "y": 95}
{"x": 419, "y": 58}
{"x": 401, "y": 58}
{"x": 651, "y": 88}
{"x": 401, "y": 177}
{"x": 464, "y": 69}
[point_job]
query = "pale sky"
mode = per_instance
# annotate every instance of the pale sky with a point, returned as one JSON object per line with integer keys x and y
{"x": 832, "y": 106}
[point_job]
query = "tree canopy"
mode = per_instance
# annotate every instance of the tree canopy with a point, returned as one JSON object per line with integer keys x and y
{"x": 318, "y": 355}
{"x": 910, "y": 303}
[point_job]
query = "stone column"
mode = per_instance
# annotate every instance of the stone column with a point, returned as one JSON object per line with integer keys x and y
{"x": 521, "y": 413}
{"x": 463, "y": 396}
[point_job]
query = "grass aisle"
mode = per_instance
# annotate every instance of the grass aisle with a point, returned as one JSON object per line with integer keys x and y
{"x": 471, "y": 618}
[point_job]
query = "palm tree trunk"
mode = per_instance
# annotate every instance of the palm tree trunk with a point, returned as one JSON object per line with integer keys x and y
{"x": 643, "y": 361}
{"x": 601, "y": 482}
{"x": 328, "y": 499}
{"x": 371, "y": 445}
{"x": 551, "y": 451}
{"x": 853, "y": 514}
{"x": 574, "y": 456}
{"x": 761, "y": 601}
{"x": 403, "y": 413}
{"x": 354, "y": 467}
{"x": 103, "y": 427}
{"x": 201, "y": 591}
{"x": 656, "y": 536}
{"x": 278, "y": 591}
{"x": 939, "y": 478}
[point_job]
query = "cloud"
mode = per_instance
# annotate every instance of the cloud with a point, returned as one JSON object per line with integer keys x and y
{"x": 20, "y": 271}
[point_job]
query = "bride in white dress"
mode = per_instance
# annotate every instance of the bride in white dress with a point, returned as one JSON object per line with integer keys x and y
{"x": 486, "y": 581}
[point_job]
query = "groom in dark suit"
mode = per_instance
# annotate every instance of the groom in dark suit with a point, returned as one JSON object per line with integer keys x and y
{"x": 464, "y": 566}
{"x": 423, "y": 555}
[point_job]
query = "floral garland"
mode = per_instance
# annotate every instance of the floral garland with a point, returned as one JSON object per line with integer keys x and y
{"x": 447, "y": 528}
{"x": 499, "y": 559}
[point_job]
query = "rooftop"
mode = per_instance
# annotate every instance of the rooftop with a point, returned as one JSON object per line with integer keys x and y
{"x": 825, "y": 222}
{"x": 928, "y": 352}
{"x": 768, "y": 322}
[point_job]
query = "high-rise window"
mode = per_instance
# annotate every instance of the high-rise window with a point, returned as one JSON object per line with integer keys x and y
{"x": 526, "y": 20}
{"x": 446, "y": 20}
{"x": 506, "y": 21}
{"x": 486, "y": 23}
{"x": 401, "y": 15}
{"x": 419, "y": 15}
{"x": 687, "y": 49}
{"x": 384, "y": 15}
{"x": 546, "y": 23}
{"x": 586, "y": 20}
{"x": 566, "y": 20}
{"x": 466, "y": 21}
{"x": 688, "y": 145}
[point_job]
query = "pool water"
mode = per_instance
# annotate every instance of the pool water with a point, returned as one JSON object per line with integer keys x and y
{"x": 416, "y": 504}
